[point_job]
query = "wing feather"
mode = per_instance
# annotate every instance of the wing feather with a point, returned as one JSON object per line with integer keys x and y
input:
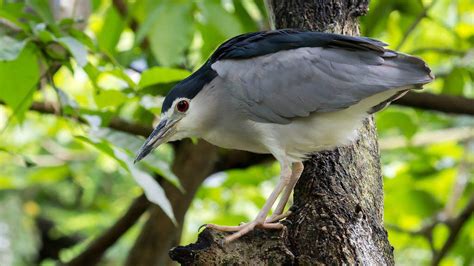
{"x": 278, "y": 87}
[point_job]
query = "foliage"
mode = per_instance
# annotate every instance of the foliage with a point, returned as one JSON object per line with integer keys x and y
{"x": 118, "y": 60}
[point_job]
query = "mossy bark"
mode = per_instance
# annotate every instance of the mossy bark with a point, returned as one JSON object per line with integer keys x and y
{"x": 338, "y": 202}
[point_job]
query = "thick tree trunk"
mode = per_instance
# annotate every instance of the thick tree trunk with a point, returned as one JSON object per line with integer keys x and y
{"x": 338, "y": 202}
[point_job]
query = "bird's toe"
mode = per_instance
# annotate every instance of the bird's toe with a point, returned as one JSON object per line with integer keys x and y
{"x": 225, "y": 228}
{"x": 277, "y": 217}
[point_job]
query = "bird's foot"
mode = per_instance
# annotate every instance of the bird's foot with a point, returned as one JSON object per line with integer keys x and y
{"x": 243, "y": 229}
{"x": 277, "y": 217}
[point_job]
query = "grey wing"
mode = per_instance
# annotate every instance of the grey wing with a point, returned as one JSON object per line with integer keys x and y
{"x": 278, "y": 87}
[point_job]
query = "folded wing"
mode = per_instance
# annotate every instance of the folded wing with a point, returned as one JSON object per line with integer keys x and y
{"x": 282, "y": 85}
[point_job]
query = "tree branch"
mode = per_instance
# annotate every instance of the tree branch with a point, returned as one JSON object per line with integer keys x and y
{"x": 122, "y": 8}
{"x": 462, "y": 180}
{"x": 455, "y": 225}
{"x": 115, "y": 123}
{"x": 96, "y": 249}
{"x": 438, "y": 102}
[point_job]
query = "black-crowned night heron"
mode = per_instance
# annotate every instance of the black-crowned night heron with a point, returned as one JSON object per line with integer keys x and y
{"x": 288, "y": 93}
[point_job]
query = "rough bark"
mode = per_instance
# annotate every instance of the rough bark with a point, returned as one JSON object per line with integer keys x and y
{"x": 338, "y": 202}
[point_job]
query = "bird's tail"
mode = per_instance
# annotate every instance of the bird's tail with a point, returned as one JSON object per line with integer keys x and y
{"x": 405, "y": 70}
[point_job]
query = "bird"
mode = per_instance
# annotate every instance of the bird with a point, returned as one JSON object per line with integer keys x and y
{"x": 288, "y": 93}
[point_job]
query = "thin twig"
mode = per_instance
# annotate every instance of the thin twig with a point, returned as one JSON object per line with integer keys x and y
{"x": 96, "y": 249}
{"x": 115, "y": 123}
{"x": 462, "y": 179}
{"x": 122, "y": 8}
{"x": 438, "y": 102}
{"x": 455, "y": 225}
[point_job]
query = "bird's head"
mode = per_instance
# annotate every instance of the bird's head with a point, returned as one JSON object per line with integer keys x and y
{"x": 177, "y": 112}
{"x": 167, "y": 129}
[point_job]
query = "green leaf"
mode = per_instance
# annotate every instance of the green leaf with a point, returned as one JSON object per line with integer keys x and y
{"x": 104, "y": 147}
{"x": 109, "y": 98}
{"x": 19, "y": 78}
{"x": 11, "y": 13}
{"x": 225, "y": 23}
{"x": 158, "y": 75}
{"x": 76, "y": 49}
{"x": 419, "y": 202}
{"x": 83, "y": 38}
{"x": 408, "y": 7}
{"x": 146, "y": 26}
{"x": 248, "y": 24}
{"x": 45, "y": 175}
{"x": 163, "y": 169}
{"x": 376, "y": 20}
{"x": 153, "y": 191}
{"x": 119, "y": 73}
{"x": 251, "y": 176}
{"x": 45, "y": 36}
{"x": 454, "y": 82}
{"x": 42, "y": 8}
{"x": 398, "y": 120}
{"x": 172, "y": 33}
{"x": 218, "y": 26}
{"x": 10, "y": 48}
{"x": 93, "y": 74}
{"x": 109, "y": 35}
{"x": 7, "y": 183}
{"x": 441, "y": 233}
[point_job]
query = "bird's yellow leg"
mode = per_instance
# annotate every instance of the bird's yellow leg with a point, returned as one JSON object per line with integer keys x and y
{"x": 259, "y": 221}
{"x": 297, "y": 170}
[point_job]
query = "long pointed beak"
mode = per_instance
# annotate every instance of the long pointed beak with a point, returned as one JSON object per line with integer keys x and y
{"x": 160, "y": 135}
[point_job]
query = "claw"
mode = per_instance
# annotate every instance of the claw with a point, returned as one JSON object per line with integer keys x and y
{"x": 250, "y": 227}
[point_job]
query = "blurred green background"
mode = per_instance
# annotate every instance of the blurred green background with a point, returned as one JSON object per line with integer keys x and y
{"x": 94, "y": 60}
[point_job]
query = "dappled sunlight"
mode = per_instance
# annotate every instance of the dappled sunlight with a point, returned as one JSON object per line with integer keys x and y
{"x": 77, "y": 103}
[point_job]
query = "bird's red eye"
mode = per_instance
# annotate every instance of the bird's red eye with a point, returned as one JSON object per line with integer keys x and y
{"x": 182, "y": 106}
